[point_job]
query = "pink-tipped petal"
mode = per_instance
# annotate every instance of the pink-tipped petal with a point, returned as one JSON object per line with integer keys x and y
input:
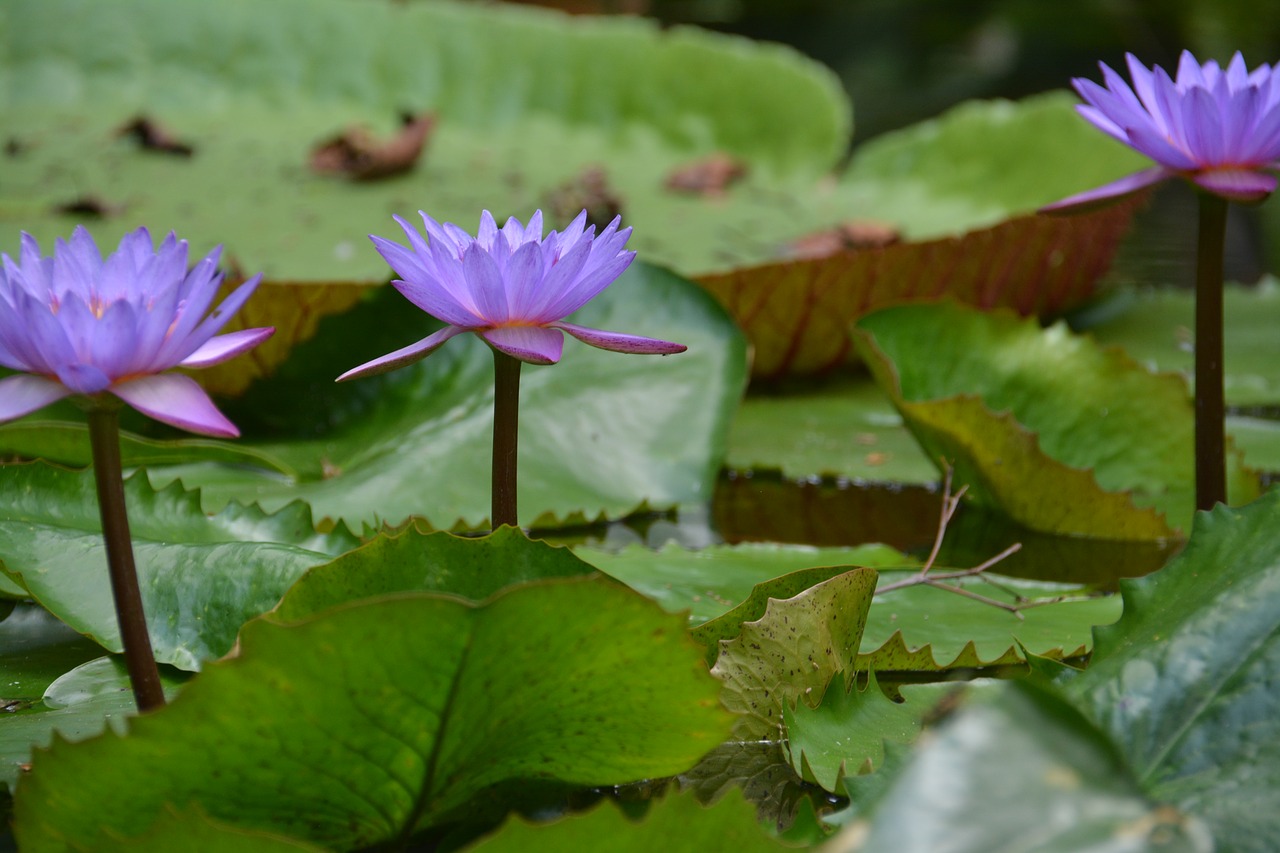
{"x": 618, "y": 342}
{"x": 222, "y": 347}
{"x": 1236, "y": 184}
{"x": 23, "y": 394}
{"x": 534, "y": 344}
{"x": 403, "y": 356}
{"x": 1108, "y": 193}
{"x": 176, "y": 400}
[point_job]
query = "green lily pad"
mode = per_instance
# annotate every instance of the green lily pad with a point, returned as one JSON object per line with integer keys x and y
{"x": 80, "y": 703}
{"x": 420, "y": 560}
{"x": 842, "y": 428}
{"x": 608, "y": 92}
{"x": 1073, "y": 792}
{"x": 845, "y": 735}
{"x": 1061, "y": 435}
{"x": 373, "y": 720}
{"x": 1186, "y": 683}
{"x": 601, "y": 433}
{"x": 911, "y": 632}
{"x": 195, "y": 830}
{"x": 794, "y": 651}
{"x": 677, "y": 822}
{"x": 201, "y": 577}
{"x": 36, "y": 649}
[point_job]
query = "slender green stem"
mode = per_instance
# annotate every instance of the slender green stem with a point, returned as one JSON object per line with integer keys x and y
{"x": 104, "y": 436}
{"x": 506, "y": 428}
{"x": 1211, "y": 476}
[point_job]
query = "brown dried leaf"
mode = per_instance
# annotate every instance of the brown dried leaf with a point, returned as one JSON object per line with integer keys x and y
{"x": 855, "y": 234}
{"x": 357, "y": 154}
{"x": 710, "y": 176}
{"x": 152, "y": 136}
{"x": 89, "y": 206}
{"x": 797, "y": 313}
{"x": 589, "y": 191}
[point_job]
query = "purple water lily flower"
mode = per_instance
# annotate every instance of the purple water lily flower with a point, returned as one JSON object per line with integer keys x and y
{"x": 75, "y": 324}
{"x": 1219, "y": 129}
{"x": 509, "y": 285}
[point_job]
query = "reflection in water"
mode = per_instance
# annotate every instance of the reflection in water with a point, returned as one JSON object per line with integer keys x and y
{"x": 763, "y": 506}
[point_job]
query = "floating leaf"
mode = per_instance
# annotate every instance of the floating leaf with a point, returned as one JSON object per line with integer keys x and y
{"x": 194, "y": 830}
{"x": 912, "y": 632}
{"x": 376, "y": 719}
{"x": 600, "y": 433}
{"x": 845, "y": 735}
{"x": 760, "y": 770}
{"x": 793, "y": 651}
{"x": 201, "y": 577}
{"x": 78, "y": 704}
{"x": 1057, "y": 432}
{"x": 1187, "y": 683}
{"x": 419, "y": 560}
{"x": 846, "y": 427}
{"x": 614, "y": 87}
{"x": 797, "y": 313}
{"x": 1027, "y": 747}
{"x": 962, "y": 190}
{"x": 673, "y": 823}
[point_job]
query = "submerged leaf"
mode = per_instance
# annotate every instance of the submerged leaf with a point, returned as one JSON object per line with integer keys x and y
{"x": 373, "y": 720}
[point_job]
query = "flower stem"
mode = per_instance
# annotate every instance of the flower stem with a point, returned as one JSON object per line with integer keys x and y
{"x": 506, "y": 421}
{"x": 104, "y": 436}
{"x": 1211, "y": 477}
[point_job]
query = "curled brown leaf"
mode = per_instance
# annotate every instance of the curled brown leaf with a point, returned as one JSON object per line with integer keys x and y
{"x": 359, "y": 155}
{"x": 709, "y": 176}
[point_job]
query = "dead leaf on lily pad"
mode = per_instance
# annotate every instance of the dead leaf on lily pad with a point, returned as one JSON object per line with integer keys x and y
{"x": 589, "y": 190}
{"x": 710, "y": 176}
{"x": 153, "y": 136}
{"x": 797, "y": 313}
{"x": 359, "y": 155}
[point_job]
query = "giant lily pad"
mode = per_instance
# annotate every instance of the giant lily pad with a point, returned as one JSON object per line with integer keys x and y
{"x": 201, "y": 577}
{"x": 962, "y": 189}
{"x": 376, "y": 719}
{"x": 610, "y": 93}
{"x": 1060, "y": 434}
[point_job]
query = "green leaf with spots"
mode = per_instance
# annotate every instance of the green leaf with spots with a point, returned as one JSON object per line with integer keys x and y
{"x": 201, "y": 577}
{"x": 1187, "y": 683}
{"x": 417, "y": 559}
{"x": 845, "y": 735}
{"x": 794, "y": 651}
{"x": 676, "y": 822}
{"x": 380, "y": 718}
{"x": 1060, "y": 434}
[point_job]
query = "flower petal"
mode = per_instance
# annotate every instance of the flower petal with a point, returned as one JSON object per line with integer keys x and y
{"x": 534, "y": 344}
{"x": 23, "y": 394}
{"x": 485, "y": 284}
{"x": 618, "y": 342}
{"x": 222, "y": 347}
{"x": 1109, "y": 192}
{"x": 403, "y": 356}
{"x": 176, "y": 400}
{"x": 588, "y": 286}
{"x": 1236, "y": 184}
{"x": 177, "y": 349}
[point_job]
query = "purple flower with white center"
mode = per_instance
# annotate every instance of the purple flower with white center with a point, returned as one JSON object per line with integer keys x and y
{"x": 509, "y": 285}
{"x": 74, "y": 324}
{"x": 1219, "y": 129}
